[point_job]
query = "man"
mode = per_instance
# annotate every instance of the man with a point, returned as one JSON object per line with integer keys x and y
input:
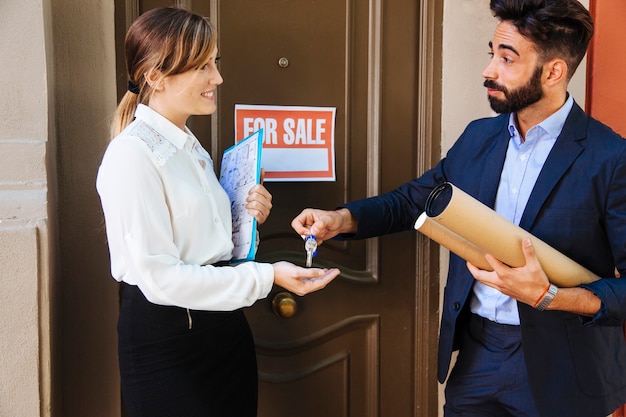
{"x": 526, "y": 348}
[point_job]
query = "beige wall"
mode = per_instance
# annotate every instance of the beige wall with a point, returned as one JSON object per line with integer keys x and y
{"x": 25, "y": 141}
{"x": 56, "y": 88}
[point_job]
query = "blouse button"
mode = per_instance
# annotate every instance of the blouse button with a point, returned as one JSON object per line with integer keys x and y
{"x": 457, "y": 306}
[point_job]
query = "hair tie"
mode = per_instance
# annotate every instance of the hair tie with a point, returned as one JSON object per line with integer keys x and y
{"x": 133, "y": 88}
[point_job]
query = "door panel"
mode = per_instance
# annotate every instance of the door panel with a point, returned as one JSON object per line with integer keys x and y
{"x": 365, "y": 345}
{"x": 332, "y": 368}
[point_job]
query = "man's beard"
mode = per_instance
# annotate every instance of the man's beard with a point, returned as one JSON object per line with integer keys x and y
{"x": 516, "y": 100}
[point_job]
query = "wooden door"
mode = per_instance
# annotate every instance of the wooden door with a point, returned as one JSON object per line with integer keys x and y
{"x": 366, "y": 345}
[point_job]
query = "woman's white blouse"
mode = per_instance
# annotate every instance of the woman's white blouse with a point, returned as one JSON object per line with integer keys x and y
{"x": 168, "y": 220}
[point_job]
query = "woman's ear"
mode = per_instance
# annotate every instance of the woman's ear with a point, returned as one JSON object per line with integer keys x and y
{"x": 154, "y": 78}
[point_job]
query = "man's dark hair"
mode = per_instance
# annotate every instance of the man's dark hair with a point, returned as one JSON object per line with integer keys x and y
{"x": 558, "y": 28}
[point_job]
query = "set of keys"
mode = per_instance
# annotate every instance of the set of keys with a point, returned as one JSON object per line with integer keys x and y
{"x": 310, "y": 246}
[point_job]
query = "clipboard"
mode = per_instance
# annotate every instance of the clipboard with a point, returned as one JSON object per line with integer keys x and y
{"x": 240, "y": 171}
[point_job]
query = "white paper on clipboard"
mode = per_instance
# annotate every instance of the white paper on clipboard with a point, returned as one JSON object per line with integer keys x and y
{"x": 240, "y": 171}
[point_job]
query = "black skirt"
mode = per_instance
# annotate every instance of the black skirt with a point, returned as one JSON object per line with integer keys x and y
{"x": 180, "y": 363}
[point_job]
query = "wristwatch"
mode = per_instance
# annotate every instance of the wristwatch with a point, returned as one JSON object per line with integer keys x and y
{"x": 547, "y": 299}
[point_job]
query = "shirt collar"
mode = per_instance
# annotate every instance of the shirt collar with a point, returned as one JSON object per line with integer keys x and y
{"x": 166, "y": 128}
{"x": 553, "y": 125}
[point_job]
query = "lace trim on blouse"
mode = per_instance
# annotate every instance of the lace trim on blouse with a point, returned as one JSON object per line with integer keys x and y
{"x": 161, "y": 148}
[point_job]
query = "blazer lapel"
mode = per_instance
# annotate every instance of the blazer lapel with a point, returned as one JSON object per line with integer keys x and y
{"x": 563, "y": 154}
{"x": 492, "y": 170}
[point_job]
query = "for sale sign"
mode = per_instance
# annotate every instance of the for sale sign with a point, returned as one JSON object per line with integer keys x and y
{"x": 299, "y": 141}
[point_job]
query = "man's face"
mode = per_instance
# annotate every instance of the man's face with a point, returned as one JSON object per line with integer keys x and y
{"x": 514, "y": 75}
{"x": 516, "y": 99}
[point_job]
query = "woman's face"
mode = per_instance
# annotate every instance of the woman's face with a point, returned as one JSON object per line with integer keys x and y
{"x": 192, "y": 92}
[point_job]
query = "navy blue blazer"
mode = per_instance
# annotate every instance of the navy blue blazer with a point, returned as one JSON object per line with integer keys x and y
{"x": 576, "y": 365}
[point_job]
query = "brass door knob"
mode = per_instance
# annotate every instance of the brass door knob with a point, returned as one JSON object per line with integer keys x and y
{"x": 284, "y": 305}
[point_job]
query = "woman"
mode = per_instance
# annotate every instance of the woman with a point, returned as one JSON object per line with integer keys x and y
{"x": 185, "y": 348}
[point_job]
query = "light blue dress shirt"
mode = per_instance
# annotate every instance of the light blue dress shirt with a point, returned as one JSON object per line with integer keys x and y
{"x": 522, "y": 165}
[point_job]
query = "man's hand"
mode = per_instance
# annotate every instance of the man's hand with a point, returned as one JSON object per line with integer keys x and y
{"x": 324, "y": 224}
{"x": 526, "y": 283}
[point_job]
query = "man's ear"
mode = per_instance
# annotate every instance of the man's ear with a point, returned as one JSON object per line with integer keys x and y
{"x": 556, "y": 71}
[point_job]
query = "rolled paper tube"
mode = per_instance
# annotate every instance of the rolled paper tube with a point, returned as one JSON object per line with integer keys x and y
{"x": 473, "y": 221}
{"x": 452, "y": 241}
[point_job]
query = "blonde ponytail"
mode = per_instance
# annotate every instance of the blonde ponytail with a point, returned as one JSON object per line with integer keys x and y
{"x": 125, "y": 113}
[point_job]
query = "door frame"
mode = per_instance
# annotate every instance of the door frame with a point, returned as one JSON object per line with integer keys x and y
{"x": 429, "y": 98}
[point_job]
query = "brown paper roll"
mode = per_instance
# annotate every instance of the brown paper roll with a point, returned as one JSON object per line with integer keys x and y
{"x": 458, "y": 213}
{"x": 452, "y": 241}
